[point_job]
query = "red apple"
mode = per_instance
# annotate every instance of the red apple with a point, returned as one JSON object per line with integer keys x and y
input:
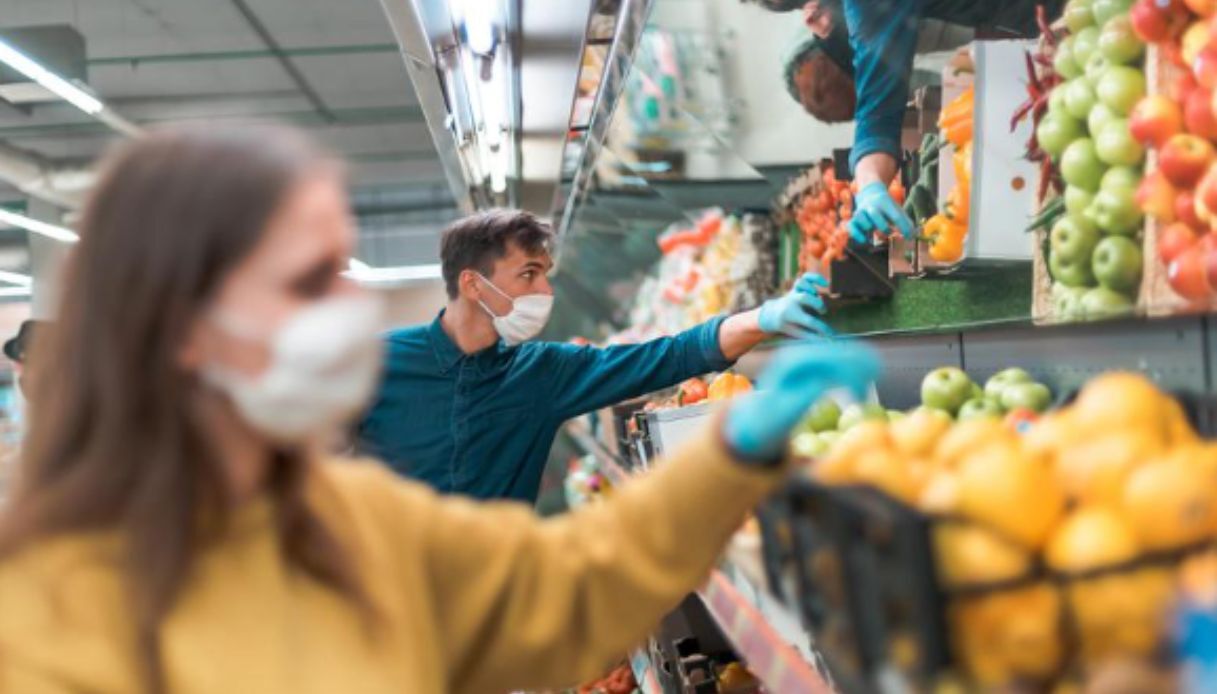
{"x": 1184, "y": 159}
{"x": 1198, "y": 113}
{"x": 1194, "y": 38}
{"x": 1208, "y": 245}
{"x": 1204, "y": 8}
{"x": 1185, "y": 211}
{"x": 1155, "y": 120}
{"x": 1156, "y": 197}
{"x": 1204, "y": 66}
{"x": 1180, "y": 86}
{"x": 1188, "y": 274}
{"x": 1155, "y": 22}
{"x": 1174, "y": 239}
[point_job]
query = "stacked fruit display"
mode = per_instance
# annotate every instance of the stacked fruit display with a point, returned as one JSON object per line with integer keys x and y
{"x": 1058, "y": 546}
{"x": 1180, "y": 124}
{"x": 1094, "y": 249}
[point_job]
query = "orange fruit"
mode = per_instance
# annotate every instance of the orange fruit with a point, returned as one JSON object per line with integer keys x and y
{"x": 1012, "y": 492}
{"x": 1120, "y": 400}
{"x": 918, "y": 433}
{"x": 1172, "y": 501}
{"x": 1008, "y": 635}
{"x": 966, "y": 437}
{"x": 1121, "y": 614}
{"x": 884, "y": 469}
{"x": 968, "y": 554}
{"x": 1094, "y": 470}
{"x": 1053, "y": 432}
{"x": 1089, "y": 538}
{"x": 940, "y": 494}
{"x": 838, "y": 466}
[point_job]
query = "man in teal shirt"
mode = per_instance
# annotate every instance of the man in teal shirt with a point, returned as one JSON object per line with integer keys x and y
{"x": 870, "y": 45}
{"x": 469, "y": 405}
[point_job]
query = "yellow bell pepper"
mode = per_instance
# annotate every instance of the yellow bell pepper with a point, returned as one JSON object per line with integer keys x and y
{"x": 727, "y": 385}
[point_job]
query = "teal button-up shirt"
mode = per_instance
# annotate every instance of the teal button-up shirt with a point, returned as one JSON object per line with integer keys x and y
{"x": 482, "y": 424}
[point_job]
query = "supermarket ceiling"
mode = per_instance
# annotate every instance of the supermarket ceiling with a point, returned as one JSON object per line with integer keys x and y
{"x": 330, "y": 67}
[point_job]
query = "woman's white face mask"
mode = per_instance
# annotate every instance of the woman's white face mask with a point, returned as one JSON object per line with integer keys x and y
{"x": 527, "y": 318}
{"x": 325, "y": 362}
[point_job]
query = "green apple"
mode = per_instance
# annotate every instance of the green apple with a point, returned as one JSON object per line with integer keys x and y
{"x": 1085, "y": 44}
{"x": 1079, "y": 98}
{"x": 1073, "y": 238}
{"x": 980, "y": 408}
{"x": 1102, "y": 302}
{"x": 1094, "y": 68}
{"x": 808, "y": 445}
{"x": 1077, "y": 200}
{"x": 1120, "y": 88}
{"x": 1099, "y": 116}
{"x": 1032, "y": 396}
{"x": 1076, "y": 274}
{"x": 1078, "y": 15}
{"x": 1115, "y": 211}
{"x": 1119, "y": 43}
{"x": 1116, "y": 146}
{"x": 998, "y": 382}
{"x": 1104, "y": 10}
{"x": 946, "y": 388}
{"x": 824, "y": 416}
{"x": 855, "y": 414}
{"x": 977, "y": 391}
{"x": 1063, "y": 62}
{"x": 1117, "y": 264}
{"x": 1067, "y": 303}
{"x": 1080, "y": 165}
{"x": 1056, "y": 101}
{"x": 1056, "y": 131}
{"x": 1121, "y": 178}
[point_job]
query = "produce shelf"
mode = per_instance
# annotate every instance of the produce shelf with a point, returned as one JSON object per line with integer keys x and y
{"x": 769, "y": 655}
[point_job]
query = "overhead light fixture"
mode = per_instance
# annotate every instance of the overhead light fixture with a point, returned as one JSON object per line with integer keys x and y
{"x": 364, "y": 273}
{"x": 477, "y": 20}
{"x": 64, "y": 89}
{"x": 12, "y": 219}
{"x": 15, "y": 291}
{"x": 16, "y": 278}
{"x": 53, "y": 83}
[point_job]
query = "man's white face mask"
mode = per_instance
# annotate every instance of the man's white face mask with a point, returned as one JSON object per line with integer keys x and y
{"x": 527, "y": 318}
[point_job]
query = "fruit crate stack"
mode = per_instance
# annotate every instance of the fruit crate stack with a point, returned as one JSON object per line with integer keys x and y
{"x": 974, "y": 554}
{"x": 1084, "y": 83}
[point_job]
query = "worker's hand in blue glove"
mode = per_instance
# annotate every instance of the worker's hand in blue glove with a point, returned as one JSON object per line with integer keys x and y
{"x": 876, "y": 212}
{"x": 792, "y": 315}
{"x": 758, "y": 425}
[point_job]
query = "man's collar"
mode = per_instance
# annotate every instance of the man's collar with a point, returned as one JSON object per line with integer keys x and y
{"x": 447, "y": 354}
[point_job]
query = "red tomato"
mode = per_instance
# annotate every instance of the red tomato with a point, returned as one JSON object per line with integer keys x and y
{"x": 1188, "y": 274}
{"x": 1174, "y": 239}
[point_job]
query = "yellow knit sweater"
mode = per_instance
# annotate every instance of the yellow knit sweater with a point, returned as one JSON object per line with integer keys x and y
{"x": 472, "y": 597}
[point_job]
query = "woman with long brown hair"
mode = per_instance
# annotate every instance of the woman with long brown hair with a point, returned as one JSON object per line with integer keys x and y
{"x": 176, "y": 529}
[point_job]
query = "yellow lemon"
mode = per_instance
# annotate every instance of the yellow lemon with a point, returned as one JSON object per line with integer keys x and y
{"x": 917, "y": 434}
{"x": 1090, "y": 537}
{"x": 968, "y": 554}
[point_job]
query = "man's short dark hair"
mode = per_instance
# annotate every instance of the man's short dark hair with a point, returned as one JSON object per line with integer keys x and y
{"x": 778, "y": 5}
{"x": 476, "y": 241}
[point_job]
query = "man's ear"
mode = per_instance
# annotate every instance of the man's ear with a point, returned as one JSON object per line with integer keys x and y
{"x": 470, "y": 287}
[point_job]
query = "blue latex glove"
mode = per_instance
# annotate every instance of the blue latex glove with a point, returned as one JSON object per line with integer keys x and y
{"x": 791, "y": 315}
{"x": 758, "y": 425}
{"x": 876, "y": 212}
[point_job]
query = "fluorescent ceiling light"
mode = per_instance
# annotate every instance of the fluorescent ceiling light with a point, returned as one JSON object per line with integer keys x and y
{"x": 15, "y": 291}
{"x": 30, "y": 224}
{"x": 54, "y": 83}
{"x": 16, "y": 278}
{"x": 362, "y": 272}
